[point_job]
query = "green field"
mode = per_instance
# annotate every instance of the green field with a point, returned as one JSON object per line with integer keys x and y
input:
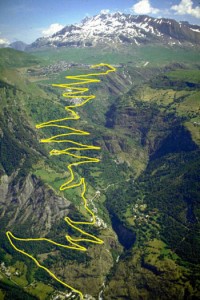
{"x": 138, "y": 56}
{"x": 10, "y": 58}
{"x": 185, "y": 75}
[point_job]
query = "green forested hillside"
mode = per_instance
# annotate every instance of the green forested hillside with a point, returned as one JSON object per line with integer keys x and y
{"x": 162, "y": 205}
{"x": 145, "y": 190}
{"x": 10, "y": 58}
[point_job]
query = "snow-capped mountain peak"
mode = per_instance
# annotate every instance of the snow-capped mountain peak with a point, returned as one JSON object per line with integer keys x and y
{"x": 118, "y": 28}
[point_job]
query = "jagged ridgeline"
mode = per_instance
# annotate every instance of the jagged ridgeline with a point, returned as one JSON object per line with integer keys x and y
{"x": 145, "y": 191}
{"x": 117, "y": 30}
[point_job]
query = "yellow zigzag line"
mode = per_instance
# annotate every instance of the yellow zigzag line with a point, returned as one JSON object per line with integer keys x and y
{"x": 77, "y": 92}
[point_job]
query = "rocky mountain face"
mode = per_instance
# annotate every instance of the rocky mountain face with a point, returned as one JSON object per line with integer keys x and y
{"x": 31, "y": 204}
{"x": 121, "y": 29}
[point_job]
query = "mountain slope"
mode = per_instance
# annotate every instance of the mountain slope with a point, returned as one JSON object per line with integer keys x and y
{"x": 122, "y": 29}
{"x": 30, "y": 202}
{"x": 18, "y": 45}
{"x": 162, "y": 205}
{"x": 145, "y": 189}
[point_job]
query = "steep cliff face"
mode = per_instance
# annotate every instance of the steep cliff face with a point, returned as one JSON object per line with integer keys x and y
{"x": 30, "y": 205}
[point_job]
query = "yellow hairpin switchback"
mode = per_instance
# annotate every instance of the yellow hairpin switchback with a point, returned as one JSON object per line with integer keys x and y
{"x": 73, "y": 90}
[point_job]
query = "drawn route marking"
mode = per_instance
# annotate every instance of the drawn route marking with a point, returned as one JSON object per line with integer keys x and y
{"x": 72, "y": 91}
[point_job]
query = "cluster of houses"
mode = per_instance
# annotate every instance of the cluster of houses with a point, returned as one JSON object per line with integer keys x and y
{"x": 99, "y": 222}
{"x": 6, "y": 271}
{"x": 69, "y": 296}
{"x": 56, "y": 68}
{"x": 139, "y": 213}
{"x": 59, "y": 67}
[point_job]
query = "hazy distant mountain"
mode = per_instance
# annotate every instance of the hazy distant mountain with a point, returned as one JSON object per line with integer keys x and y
{"x": 118, "y": 28}
{"x": 18, "y": 45}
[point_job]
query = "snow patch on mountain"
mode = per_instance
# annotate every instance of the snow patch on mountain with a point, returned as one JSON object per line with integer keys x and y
{"x": 117, "y": 28}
